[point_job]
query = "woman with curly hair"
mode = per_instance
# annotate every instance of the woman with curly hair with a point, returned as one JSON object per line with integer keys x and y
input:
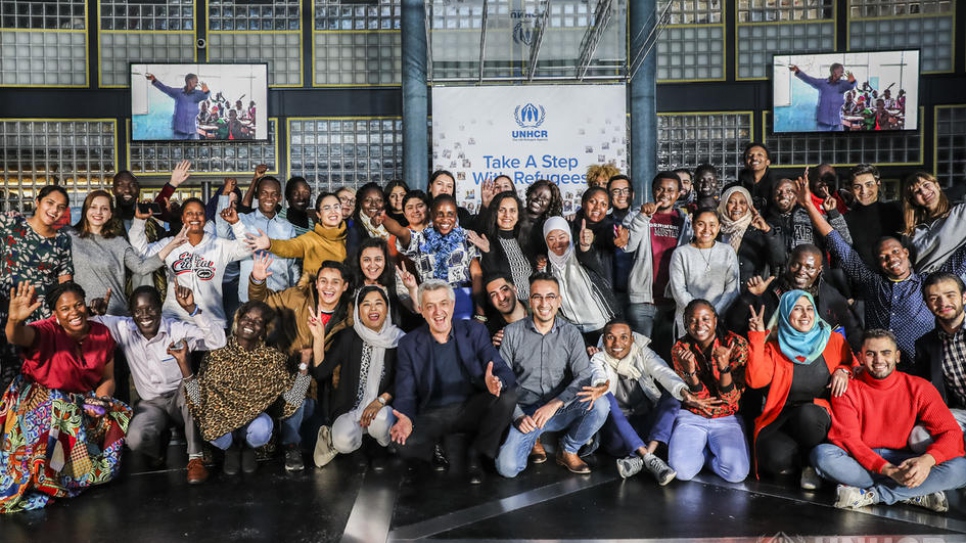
{"x": 543, "y": 201}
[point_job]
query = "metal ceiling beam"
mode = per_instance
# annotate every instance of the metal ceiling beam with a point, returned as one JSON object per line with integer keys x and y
{"x": 592, "y": 38}
{"x": 538, "y": 41}
{"x": 483, "y": 39}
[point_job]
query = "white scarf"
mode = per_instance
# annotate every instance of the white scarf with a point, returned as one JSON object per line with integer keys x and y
{"x": 578, "y": 302}
{"x": 374, "y": 231}
{"x": 386, "y": 337}
{"x": 627, "y": 366}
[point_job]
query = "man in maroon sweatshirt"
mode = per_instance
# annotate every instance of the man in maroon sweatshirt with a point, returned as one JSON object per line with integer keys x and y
{"x": 868, "y": 454}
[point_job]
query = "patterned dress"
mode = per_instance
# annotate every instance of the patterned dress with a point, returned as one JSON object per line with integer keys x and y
{"x": 26, "y": 256}
{"x": 51, "y": 448}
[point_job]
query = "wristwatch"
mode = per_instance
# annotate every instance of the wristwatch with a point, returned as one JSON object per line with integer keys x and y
{"x": 303, "y": 367}
{"x": 381, "y": 400}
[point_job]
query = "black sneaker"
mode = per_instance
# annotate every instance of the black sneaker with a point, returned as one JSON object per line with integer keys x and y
{"x": 293, "y": 458}
{"x": 232, "y": 460}
{"x": 474, "y": 470}
{"x": 440, "y": 463}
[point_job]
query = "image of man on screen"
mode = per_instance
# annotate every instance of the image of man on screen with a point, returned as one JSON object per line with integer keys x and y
{"x": 184, "y": 124}
{"x": 831, "y": 95}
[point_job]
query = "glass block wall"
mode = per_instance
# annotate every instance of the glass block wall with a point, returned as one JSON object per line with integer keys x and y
{"x": 258, "y": 32}
{"x": 889, "y": 24}
{"x": 765, "y": 28}
{"x": 331, "y": 153}
{"x": 78, "y": 154}
{"x": 146, "y": 31}
{"x": 692, "y": 45}
{"x": 686, "y": 140}
{"x": 356, "y": 43}
{"x": 214, "y": 157}
{"x": 43, "y": 43}
{"x": 950, "y": 159}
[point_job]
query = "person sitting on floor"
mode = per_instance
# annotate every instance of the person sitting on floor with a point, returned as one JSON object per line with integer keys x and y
{"x": 62, "y": 431}
{"x": 872, "y": 422}
{"x": 548, "y": 357}
{"x": 645, "y": 396}
{"x": 801, "y": 366}
{"x": 238, "y": 383}
{"x": 712, "y": 364}
{"x": 144, "y": 339}
{"x": 366, "y": 354}
{"x": 449, "y": 379}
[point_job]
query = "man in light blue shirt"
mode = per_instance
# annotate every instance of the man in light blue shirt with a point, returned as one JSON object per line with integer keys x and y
{"x": 184, "y": 124}
{"x": 284, "y": 272}
{"x": 831, "y": 95}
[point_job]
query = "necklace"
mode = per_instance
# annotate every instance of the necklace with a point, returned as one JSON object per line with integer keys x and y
{"x": 707, "y": 259}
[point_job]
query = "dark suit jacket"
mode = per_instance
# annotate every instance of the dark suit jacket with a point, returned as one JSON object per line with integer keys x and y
{"x": 415, "y": 380}
{"x": 345, "y": 354}
{"x": 929, "y": 365}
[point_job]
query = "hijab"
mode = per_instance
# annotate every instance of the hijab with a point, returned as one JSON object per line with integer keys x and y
{"x": 378, "y": 341}
{"x": 580, "y": 302}
{"x": 735, "y": 229}
{"x": 799, "y": 347}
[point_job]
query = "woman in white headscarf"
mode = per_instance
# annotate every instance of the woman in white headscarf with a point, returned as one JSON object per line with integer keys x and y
{"x": 586, "y": 297}
{"x": 359, "y": 370}
{"x": 759, "y": 247}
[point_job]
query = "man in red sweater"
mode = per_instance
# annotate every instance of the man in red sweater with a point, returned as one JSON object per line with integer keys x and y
{"x": 871, "y": 423}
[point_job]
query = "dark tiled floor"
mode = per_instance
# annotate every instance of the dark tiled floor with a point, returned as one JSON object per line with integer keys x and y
{"x": 347, "y": 501}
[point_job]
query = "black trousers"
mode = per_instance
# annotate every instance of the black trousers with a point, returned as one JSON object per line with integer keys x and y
{"x": 483, "y": 415}
{"x": 784, "y": 444}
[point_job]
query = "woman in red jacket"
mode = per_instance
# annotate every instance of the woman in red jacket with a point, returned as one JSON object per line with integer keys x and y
{"x": 801, "y": 363}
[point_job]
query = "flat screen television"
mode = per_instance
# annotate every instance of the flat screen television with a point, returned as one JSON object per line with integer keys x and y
{"x": 212, "y": 102}
{"x": 808, "y": 97}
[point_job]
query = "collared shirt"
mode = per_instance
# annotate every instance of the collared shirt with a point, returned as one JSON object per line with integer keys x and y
{"x": 154, "y": 371}
{"x": 892, "y": 305}
{"x": 547, "y": 366}
{"x": 285, "y": 271}
{"x": 185, "y": 118}
{"x": 954, "y": 363}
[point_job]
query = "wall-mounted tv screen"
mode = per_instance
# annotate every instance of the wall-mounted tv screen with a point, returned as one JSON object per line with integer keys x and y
{"x": 852, "y": 92}
{"x": 224, "y": 102}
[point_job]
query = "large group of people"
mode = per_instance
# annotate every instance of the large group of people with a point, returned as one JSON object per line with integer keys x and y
{"x": 788, "y": 329}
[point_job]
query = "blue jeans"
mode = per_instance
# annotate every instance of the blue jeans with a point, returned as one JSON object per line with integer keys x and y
{"x": 720, "y": 443}
{"x": 581, "y": 425}
{"x": 291, "y": 425}
{"x": 835, "y": 464}
{"x": 656, "y": 322}
{"x": 255, "y": 434}
{"x": 621, "y": 436}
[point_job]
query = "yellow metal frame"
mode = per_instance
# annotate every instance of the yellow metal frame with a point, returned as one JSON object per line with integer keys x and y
{"x": 750, "y": 113}
{"x": 935, "y": 133}
{"x": 87, "y": 49}
{"x": 724, "y": 59}
{"x": 952, "y": 46}
{"x": 199, "y": 176}
{"x": 834, "y": 21}
{"x": 922, "y": 143}
{"x": 345, "y": 85}
{"x": 288, "y": 129}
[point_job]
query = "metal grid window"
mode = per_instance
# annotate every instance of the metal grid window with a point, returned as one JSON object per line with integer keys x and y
{"x": 757, "y": 43}
{"x": 691, "y": 53}
{"x": 154, "y": 158}
{"x": 119, "y": 49}
{"x": 331, "y": 153}
{"x": 42, "y": 58}
{"x": 347, "y": 15}
{"x": 950, "y": 144}
{"x": 686, "y": 140}
{"x": 881, "y": 148}
{"x": 47, "y": 15}
{"x": 282, "y": 52}
{"x": 690, "y": 12}
{"x": 272, "y": 15}
{"x": 163, "y": 15}
{"x": 79, "y": 155}
{"x": 767, "y": 11}
{"x": 860, "y": 9}
{"x": 932, "y": 35}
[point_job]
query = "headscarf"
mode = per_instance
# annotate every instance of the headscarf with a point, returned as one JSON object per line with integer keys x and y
{"x": 441, "y": 247}
{"x": 373, "y": 230}
{"x": 799, "y": 347}
{"x": 580, "y": 302}
{"x": 386, "y": 337}
{"x": 735, "y": 229}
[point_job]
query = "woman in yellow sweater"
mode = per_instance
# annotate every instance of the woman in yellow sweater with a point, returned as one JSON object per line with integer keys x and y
{"x": 327, "y": 241}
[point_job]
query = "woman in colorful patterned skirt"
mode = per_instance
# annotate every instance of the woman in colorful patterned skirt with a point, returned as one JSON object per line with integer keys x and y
{"x": 62, "y": 431}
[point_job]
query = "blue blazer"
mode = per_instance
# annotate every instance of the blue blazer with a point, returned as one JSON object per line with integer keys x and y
{"x": 415, "y": 380}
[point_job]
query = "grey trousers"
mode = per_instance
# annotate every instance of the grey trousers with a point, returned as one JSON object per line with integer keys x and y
{"x": 152, "y": 417}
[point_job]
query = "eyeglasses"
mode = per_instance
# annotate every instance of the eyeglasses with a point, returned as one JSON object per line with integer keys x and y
{"x": 537, "y": 298}
{"x": 619, "y": 192}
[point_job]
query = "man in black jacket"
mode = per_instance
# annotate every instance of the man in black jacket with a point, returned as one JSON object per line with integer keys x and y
{"x": 941, "y": 353}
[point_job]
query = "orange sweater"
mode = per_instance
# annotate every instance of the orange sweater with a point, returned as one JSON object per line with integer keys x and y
{"x": 768, "y": 367}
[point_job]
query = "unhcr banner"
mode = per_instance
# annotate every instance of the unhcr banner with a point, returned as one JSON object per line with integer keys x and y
{"x": 528, "y": 133}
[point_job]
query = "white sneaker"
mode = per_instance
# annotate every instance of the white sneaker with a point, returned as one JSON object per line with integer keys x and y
{"x": 659, "y": 469}
{"x": 850, "y": 497}
{"x": 324, "y": 451}
{"x": 630, "y": 466}
{"x": 810, "y": 479}
{"x": 935, "y": 502}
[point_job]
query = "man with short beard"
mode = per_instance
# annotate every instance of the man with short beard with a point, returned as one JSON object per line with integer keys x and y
{"x": 127, "y": 191}
{"x": 144, "y": 339}
{"x": 506, "y": 307}
{"x": 789, "y": 217}
{"x": 941, "y": 353}
{"x": 868, "y": 453}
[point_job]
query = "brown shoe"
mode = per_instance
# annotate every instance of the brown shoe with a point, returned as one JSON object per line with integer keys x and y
{"x": 572, "y": 462}
{"x": 537, "y": 454}
{"x": 197, "y": 472}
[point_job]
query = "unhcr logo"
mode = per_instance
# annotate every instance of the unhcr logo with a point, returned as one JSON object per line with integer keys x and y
{"x": 529, "y": 117}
